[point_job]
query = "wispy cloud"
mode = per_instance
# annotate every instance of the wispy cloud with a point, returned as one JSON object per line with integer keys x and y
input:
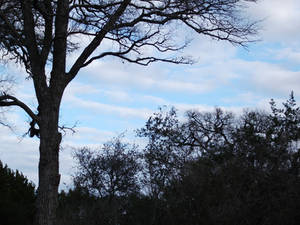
{"x": 100, "y": 108}
{"x": 280, "y": 20}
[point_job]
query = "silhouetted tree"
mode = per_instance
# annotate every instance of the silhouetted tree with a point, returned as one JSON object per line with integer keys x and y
{"x": 78, "y": 206}
{"x": 17, "y": 196}
{"x": 240, "y": 170}
{"x": 39, "y": 34}
{"x": 209, "y": 168}
{"x": 111, "y": 173}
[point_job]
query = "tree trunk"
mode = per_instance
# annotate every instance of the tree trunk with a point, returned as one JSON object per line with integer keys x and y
{"x": 49, "y": 177}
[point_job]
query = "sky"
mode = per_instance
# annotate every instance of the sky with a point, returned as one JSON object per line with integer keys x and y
{"x": 111, "y": 97}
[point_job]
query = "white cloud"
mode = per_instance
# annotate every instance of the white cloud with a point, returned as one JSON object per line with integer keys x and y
{"x": 152, "y": 99}
{"x": 158, "y": 77}
{"x": 247, "y": 98}
{"x": 207, "y": 51}
{"x": 267, "y": 77}
{"x": 19, "y": 153}
{"x": 76, "y": 88}
{"x": 281, "y": 19}
{"x": 85, "y": 135}
{"x": 125, "y": 112}
{"x": 117, "y": 96}
{"x": 291, "y": 55}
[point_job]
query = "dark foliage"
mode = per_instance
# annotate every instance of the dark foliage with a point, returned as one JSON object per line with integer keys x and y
{"x": 110, "y": 176}
{"x": 17, "y": 197}
{"x": 241, "y": 170}
{"x": 211, "y": 168}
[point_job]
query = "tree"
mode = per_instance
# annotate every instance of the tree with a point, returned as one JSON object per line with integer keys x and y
{"x": 78, "y": 206}
{"x": 39, "y": 34}
{"x": 111, "y": 173}
{"x": 17, "y": 196}
{"x": 240, "y": 170}
{"x": 211, "y": 168}
{"x": 108, "y": 172}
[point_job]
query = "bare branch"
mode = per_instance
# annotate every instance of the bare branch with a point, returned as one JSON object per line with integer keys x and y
{"x": 5, "y": 124}
{"x": 8, "y": 100}
{"x": 65, "y": 128}
{"x": 97, "y": 40}
{"x": 29, "y": 32}
{"x": 48, "y": 15}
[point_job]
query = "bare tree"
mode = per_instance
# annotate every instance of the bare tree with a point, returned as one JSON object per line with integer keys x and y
{"x": 38, "y": 34}
{"x": 111, "y": 171}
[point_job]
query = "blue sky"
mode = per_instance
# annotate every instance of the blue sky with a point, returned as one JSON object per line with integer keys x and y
{"x": 110, "y": 97}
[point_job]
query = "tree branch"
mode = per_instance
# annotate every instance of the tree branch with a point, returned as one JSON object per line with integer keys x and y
{"x": 47, "y": 13}
{"x": 12, "y": 30}
{"x": 97, "y": 40}
{"x": 8, "y": 100}
{"x": 30, "y": 37}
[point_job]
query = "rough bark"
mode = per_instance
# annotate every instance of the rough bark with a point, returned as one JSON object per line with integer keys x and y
{"x": 50, "y": 139}
{"x": 49, "y": 176}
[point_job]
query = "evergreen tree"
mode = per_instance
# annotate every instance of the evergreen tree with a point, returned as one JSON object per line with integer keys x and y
{"x": 17, "y": 196}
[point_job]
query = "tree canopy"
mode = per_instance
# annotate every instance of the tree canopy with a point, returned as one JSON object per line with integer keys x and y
{"x": 210, "y": 168}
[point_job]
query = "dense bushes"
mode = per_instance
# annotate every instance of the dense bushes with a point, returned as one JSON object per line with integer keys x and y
{"x": 17, "y": 197}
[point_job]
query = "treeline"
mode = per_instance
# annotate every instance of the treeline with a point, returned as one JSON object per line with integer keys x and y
{"x": 208, "y": 168}
{"x": 17, "y": 196}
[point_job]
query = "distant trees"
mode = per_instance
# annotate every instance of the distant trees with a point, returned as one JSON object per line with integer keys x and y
{"x": 111, "y": 171}
{"x": 240, "y": 170}
{"x": 111, "y": 175}
{"x": 78, "y": 206}
{"x": 17, "y": 196}
{"x": 210, "y": 168}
